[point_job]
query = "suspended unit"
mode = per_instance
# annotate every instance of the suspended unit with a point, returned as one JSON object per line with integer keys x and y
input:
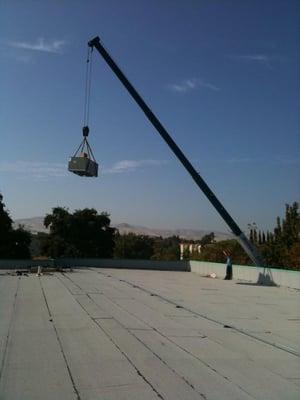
{"x": 83, "y": 162}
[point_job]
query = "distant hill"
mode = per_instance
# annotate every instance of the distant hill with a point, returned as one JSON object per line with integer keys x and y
{"x": 192, "y": 234}
{"x": 36, "y": 224}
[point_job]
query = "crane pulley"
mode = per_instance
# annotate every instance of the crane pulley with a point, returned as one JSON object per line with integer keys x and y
{"x": 83, "y": 162}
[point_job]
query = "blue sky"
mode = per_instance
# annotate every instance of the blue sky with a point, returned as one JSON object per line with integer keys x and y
{"x": 223, "y": 77}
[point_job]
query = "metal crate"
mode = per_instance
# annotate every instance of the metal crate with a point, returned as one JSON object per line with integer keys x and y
{"x": 83, "y": 166}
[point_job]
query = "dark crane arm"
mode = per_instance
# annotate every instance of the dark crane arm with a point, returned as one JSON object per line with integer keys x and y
{"x": 246, "y": 244}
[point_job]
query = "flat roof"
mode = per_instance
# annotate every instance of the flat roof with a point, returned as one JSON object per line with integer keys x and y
{"x": 118, "y": 334}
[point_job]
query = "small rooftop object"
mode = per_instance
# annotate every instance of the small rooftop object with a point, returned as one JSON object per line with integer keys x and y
{"x": 83, "y": 162}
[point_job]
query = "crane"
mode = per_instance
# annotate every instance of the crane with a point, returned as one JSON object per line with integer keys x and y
{"x": 252, "y": 252}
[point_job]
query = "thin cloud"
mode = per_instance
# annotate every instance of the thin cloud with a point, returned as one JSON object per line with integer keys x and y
{"x": 132, "y": 165}
{"x": 191, "y": 84}
{"x": 40, "y": 170}
{"x": 274, "y": 159}
{"x": 288, "y": 160}
{"x": 240, "y": 160}
{"x": 258, "y": 58}
{"x": 254, "y": 57}
{"x": 54, "y": 46}
{"x": 44, "y": 170}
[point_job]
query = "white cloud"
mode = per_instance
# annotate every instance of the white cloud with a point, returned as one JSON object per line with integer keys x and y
{"x": 254, "y": 57}
{"x": 240, "y": 160}
{"x": 288, "y": 160}
{"x": 40, "y": 170}
{"x": 258, "y": 58}
{"x": 274, "y": 159}
{"x": 44, "y": 170}
{"x": 132, "y": 165}
{"x": 54, "y": 46}
{"x": 191, "y": 84}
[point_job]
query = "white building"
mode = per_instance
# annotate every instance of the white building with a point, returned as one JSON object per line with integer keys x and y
{"x": 190, "y": 247}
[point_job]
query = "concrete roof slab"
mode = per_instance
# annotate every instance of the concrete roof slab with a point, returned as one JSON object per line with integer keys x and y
{"x": 132, "y": 334}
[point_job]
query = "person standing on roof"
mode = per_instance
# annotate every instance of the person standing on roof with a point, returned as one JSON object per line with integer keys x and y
{"x": 228, "y": 265}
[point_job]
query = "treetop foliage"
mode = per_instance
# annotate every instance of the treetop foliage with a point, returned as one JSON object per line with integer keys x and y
{"x": 84, "y": 233}
{"x": 133, "y": 246}
{"x": 281, "y": 248}
{"x": 14, "y": 242}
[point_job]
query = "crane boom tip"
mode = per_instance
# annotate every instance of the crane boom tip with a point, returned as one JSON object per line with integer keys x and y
{"x": 92, "y": 42}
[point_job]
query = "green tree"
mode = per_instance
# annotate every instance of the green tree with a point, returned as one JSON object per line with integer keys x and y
{"x": 214, "y": 252}
{"x": 291, "y": 225}
{"x": 14, "y": 243}
{"x": 251, "y": 237}
{"x": 281, "y": 247}
{"x": 85, "y": 233}
{"x": 207, "y": 239}
{"x": 133, "y": 246}
{"x": 37, "y": 247}
{"x": 255, "y": 236}
{"x": 259, "y": 237}
{"x": 167, "y": 249}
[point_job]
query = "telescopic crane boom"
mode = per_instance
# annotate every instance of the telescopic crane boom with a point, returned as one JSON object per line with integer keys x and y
{"x": 246, "y": 244}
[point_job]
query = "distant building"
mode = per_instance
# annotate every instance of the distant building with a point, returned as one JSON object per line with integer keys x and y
{"x": 190, "y": 247}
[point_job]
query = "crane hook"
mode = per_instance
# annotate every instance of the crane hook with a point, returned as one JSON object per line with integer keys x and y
{"x": 85, "y": 131}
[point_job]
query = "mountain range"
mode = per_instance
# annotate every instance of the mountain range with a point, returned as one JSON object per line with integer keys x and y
{"x": 36, "y": 224}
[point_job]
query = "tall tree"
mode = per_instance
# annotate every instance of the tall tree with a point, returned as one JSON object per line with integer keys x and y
{"x": 85, "y": 233}
{"x": 282, "y": 245}
{"x": 251, "y": 238}
{"x": 207, "y": 239}
{"x": 14, "y": 243}
{"x": 254, "y": 236}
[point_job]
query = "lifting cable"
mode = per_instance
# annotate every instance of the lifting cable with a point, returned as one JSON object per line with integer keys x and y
{"x": 88, "y": 80}
{"x": 84, "y": 145}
